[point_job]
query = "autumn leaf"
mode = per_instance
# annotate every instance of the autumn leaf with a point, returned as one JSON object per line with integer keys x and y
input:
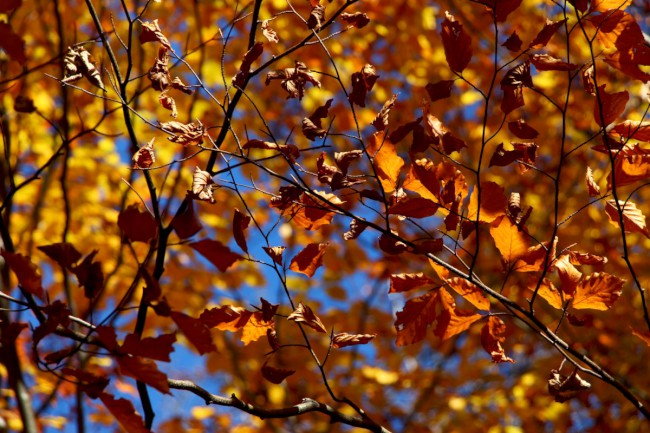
{"x": 406, "y": 282}
{"x": 356, "y": 19}
{"x": 569, "y": 275}
{"x": 157, "y": 348}
{"x": 137, "y": 225}
{"x": 294, "y": 79}
{"x": 545, "y": 35}
{"x": 274, "y": 374}
{"x": 344, "y": 339}
{"x": 313, "y": 211}
{"x": 124, "y": 413}
{"x": 381, "y": 121}
{"x": 185, "y": 223}
{"x": 275, "y": 253}
{"x": 548, "y": 292}
{"x": 470, "y": 292}
{"x": 268, "y": 32}
{"x": 631, "y": 129}
{"x": 303, "y": 314}
{"x": 492, "y": 335}
{"x": 251, "y": 55}
{"x": 151, "y": 32}
{"x": 309, "y": 259}
{"x": 453, "y": 321}
{"x": 415, "y": 318}
{"x": 598, "y": 291}
{"x": 522, "y": 130}
{"x": 493, "y": 202}
{"x": 312, "y": 126}
{"x": 509, "y": 240}
{"x": 513, "y": 43}
{"x": 611, "y": 105}
{"x": 414, "y": 207}
{"x": 217, "y": 253}
{"x": 12, "y": 43}
{"x": 240, "y": 223}
{"x": 386, "y": 161}
{"x": 439, "y": 90}
{"x": 27, "y": 273}
{"x": 144, "y": 157}
{"x": 185, "y": 134}
{"x": 633, "y": 218}
{"x": 64, "y": 253}
{"x": 90, "y": 383}
{"x": 544, "y": 62}
{"x": 144, "y": 370}
{"x": 564, "y": 388}
{"x": 362, "y": 83}
{"x": 456, "y": 42}
{"x": 203, "y": 186}
{"x": 195, "y": 331}
{"x": 255, "y": 328}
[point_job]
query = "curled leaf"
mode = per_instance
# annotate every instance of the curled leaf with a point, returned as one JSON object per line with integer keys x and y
{"x": 357, "y": 19}
{"x": 294, "y": 79}
{"x": 344, "y": 339}
{"x": 362, "y": 82}
{"x": 203, "y": 186}
{"x": 144, "y": 157}
{"x": 304, "y": 314}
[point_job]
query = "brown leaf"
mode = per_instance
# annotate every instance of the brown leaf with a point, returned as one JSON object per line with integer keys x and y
{"x": 518, "y": 76}
{"x": 168, "y": 102}
{"x": 244, "y": 70}
{"x": 592, "y": 186}
{"x": 522, "y": 130}
{"x": 344, "y": 159}
{"x": 27, "y": 273}
{"x": 492, "y": 335}
{"x": 294, "y": 80}
{"x": 513, "y": 43}
{"x": 8, "y": 5}
{"x": 569, "y": 275}
{"x": 304, "y": 314}
{"x": 90, "y": 275}
{"x": 159, "y": 73}
{"x": 144, "y": 157}
{"x": 151, "y": 32}
{"x": 381, "y": 121}
{"x": 612, "y": 105}
{"x": 309, "y": 259}
{"x": 24, "y": 104}
{"x": 633, "y": 218}
{"x": 456, "y": 43}
{"x": 275, "y": 253}
{"x": 144, "y": 370}
{"x": 79, "y": 63}
{"x": 356, "y": 228}
{"x": 137, "y": 225}
{"x": 189, "y": 134}
{"x": 362, "y": 83}
{"x": 240, "y": 223}
{"x": 513, "y": 98}
{"x": 312, "y": 126}
{"x": 501, "y": 8}
{"x": 357, "y": 19}
{"x": 157, "y": 348}
{"x": 598, "y": 291}
{"x": 216, "y": 253}
{"x": 415, "y": 207}
{"x": 274, "y": 374}
{"x": 415, "y": 318}
{"x": 579, "y": 259}
{"x": 526, "y": 152}
{"x": 344, "y": 339}
{"x": 405, "y": 282}
{"x": 439, "y": 90}
{"x": 391, "y": 245}
{"x": 545, "y": 35}
{"x": 316, "y": 17}
{"x": 564, "y": 388}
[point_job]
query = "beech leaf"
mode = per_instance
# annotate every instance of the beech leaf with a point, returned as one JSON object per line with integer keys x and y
{"x": 309, "y": 259}
{"x": 303, "y": 314}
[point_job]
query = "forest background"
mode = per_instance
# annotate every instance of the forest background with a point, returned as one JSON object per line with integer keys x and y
{"x": 306, "y": 216}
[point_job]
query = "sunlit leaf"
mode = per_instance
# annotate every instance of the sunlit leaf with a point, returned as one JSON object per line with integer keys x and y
{"x": 598, "y": 291}
{"x": 309, "y": 259}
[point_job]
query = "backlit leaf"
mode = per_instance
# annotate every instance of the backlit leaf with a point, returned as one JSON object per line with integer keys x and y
{"x": 598, "y": 291}
{"x": 217, "y": 253}
{"x": 492, "y": 335}
{"x": 309, "y": 259}
{"x": 509, "y": 240}
{"x": 456, "y": 42}
{"x": 470, "y": 292}
{"x": 386, "y": 161}
{"x": 303, "y": 314}
{"x": 405, "y": 282}
{"x": 633, "y": 218}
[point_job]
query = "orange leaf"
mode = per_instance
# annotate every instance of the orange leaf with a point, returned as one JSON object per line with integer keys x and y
{"x": 309, "y": 259}
{"x": 404, "y": 282}
{"x": 493, "y": 202}
{"x": 643, "y": 335}
{"x": 124, "y": 413}
{"x": 631, "y": 165}
{"x": 631, "y": 129}
{"x": 592, "y": 186}
{"x": 456, "y": 43}
{"x": 304, "y": 314}
{"x": 385, "y": 159}
{"x": 608, "y": 5}
{"x": 454, "y": 321}
{"x": 509, "y": 240}
{"x": 598, "y": 291}
{"x": 492, "y": 335}
{"x": 548, "y": 292}
{"x": 470, "y": 292}
{"x": 313, "y": 211}
{"x": 569, "y": 275}
{"x": 216, "y": 253}
{"x": 416, "y": 316}
{"x": 145, "y": 156}
{"x": 633, "y": 219}
{"x": 255, "y": 328}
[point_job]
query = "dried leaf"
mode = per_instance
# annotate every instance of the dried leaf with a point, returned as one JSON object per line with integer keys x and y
{"x": 168, "y": 102}
{"x": 186, "y": 134}
{"x": 381, "y": 121}
{"x": 362, "y": 83}
{"x": 275, "y": 253}
{"x": 316, "y": 17}
{"x": 470, "y": 292}
{"x": 289, "y": 150}
{"x": 309, "y": 259}
{"x": 344, "y": 339}
{"x": 64, "y": 253}
{"x": 151, "y": 32}
{"x": 27, "y": 273}
{"x": 268, "y": 32}
{"x": 564, "y": 388}
{"x": 545, "y": 35}
{"x": 509, "y": 240}
{"x": 312, "y": 126}
{"x": 415, "y": 207}
{"x": 492, "y": 335}
{"x": 12, "y": 43}
{"x": 416, "y": 317}
{"x": 144, "y": 157}
{"x": 294, "y": 80}
{"x": 274, "y": 374}
{"x": 522, "y": 130}
{"x": 544, "y": 62}
{"x": 405, "y": 282}
{"x": 513, "y": 43}
{"x": 611, "y": 105}
{"x": 592, "y": 186}
{"x": 203, "y": 186}
{"x": 385, "y": 159}
{"x": 356, "y": 228}
{"x": 633, "y": 218}
{"x": 493, "y": 202}
{"x": 89, "y": 275}
{"x": 304, "y": 314}
{"x": 357, "y": 19}
{"x": 244, "y": 70}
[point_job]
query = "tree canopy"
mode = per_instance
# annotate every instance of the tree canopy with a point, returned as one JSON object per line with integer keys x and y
{"x": 324, "y": 216}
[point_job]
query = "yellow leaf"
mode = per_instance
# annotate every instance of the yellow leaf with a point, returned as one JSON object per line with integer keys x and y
{"x": 598, "y": 291}
{"x": 386, "y": 161}
{"x": 471, "y": 292}
{"x": 509, "y": 240}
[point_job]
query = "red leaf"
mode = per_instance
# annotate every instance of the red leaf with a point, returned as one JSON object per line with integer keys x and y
{"x": 439, "y": 90}
{"x": 309, "y": 259}
{"x": 157, "y": 348}
{"x": 545, "y": 35}
{"x": 275, "y": 375}
{"x": 611, "y": 104}
{"x": 240, "y": 223}
{"x": 7, "y": 5}
{"x": 513, "y": 98}
{"x": 27, "y": 273}
{"x": 492, "y": 335}
{"x": 137, "y": 225}
{"x": 457, "y": 44}
{"x": 357, "y": 19}
{"x": 12, "y": 44}
{"x": 522, "y": 130}
{"x": 217, "y": 253}
{"x": 90, "y": 383}
{"x": 416, "y": 207}
{"x": 144, "y": 370}
{"x": 513, "y": 43}
{"x": 196, "y": 332}
{"x": 185, "y": 222}
{"x": 501, "y": 8}
{"x": 124, "y": 413}
{"x": 90, "y": 275}
{"x": 145, "y": 156}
